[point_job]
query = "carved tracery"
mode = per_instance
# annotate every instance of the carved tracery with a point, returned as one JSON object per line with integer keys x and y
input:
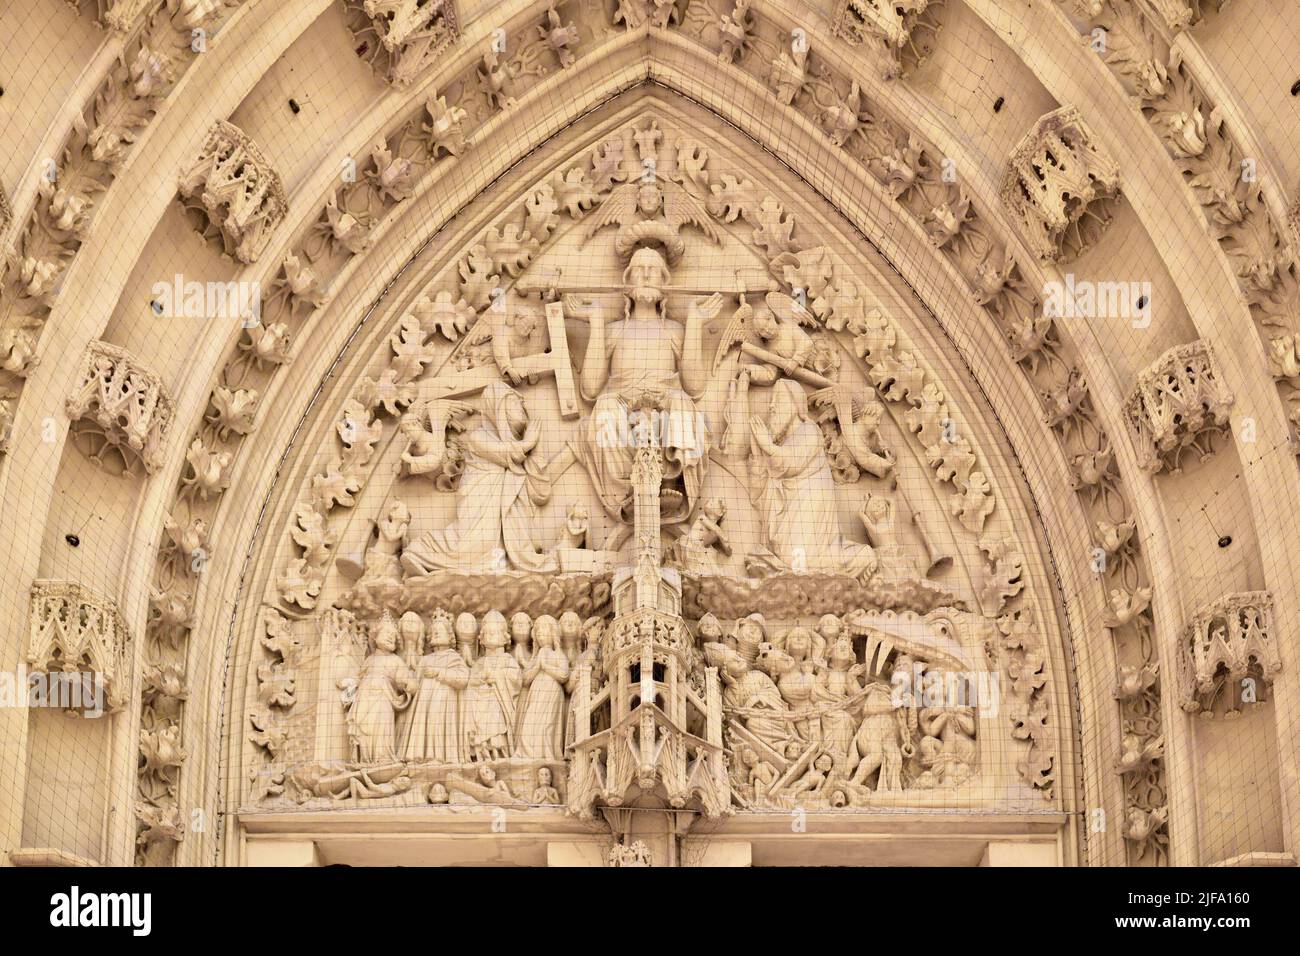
{"x": 1058, "y": 185}
{"x": 1177, "y": 403}
{"x": 235, "y": 192}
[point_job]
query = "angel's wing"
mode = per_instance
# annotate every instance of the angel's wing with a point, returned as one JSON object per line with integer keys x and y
{"x": 448, "y": 413}
{"x": 681, "y": 208}
{"x": 788, "y": 309}
{"x": 619, "y": 207}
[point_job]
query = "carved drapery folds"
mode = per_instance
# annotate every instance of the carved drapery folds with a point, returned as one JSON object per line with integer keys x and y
{"x": 904, "y": 29}
{"x": 1177, "y": 402}
{"x": 120, "y": 410}
{"x": 74, "y": 630}
{"x": 1058, "y": 186}
{"x": 235, "y": 193}
{"x": 400, "y": 38}
{"x": 1229, "y": 651}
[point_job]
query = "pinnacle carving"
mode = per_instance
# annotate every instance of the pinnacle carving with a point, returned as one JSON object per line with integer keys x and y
{"x": 1058, "y": 185}
{"x": 1177, "y": 403}
{"x": 235, "y": 193}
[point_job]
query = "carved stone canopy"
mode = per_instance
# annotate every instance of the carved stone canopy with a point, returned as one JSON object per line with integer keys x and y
{"x": 235, "y": 190}
{"x": 1228, "y": 645}
{"x": 400, "y": 39}
{"x": 121, "y": 410}
{"x": 73, "y": 629}
{"x": 1057, "y": 185}
{"x": 1177, "y": 403}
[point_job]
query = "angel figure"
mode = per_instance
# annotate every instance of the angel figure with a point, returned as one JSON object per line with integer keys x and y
{"x": 383, "y": 558}
{"x": 496, "y": 516}
{"x": 695, "y": 550}
{"x": 635, "y": 206}
{"x": 776, "y": 343}
{"x": 375, "y": 696}
{"x": 425, "y": 427}
{"x": 795, "y": 492}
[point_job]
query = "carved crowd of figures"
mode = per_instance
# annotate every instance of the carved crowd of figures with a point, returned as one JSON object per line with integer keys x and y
{"x": 464, "y": 690}
{"x": 809, "y": 722}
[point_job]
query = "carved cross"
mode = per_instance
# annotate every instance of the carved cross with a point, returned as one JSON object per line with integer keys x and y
{"x": 554, "y": 361}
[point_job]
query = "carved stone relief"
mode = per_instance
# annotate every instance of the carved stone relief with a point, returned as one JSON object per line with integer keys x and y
{"x": 897, "y": 158}
{"x": 121, "y": 411}
{"x": 1218, "y": 169}
{"x": 1176, "y": 404}
{"x": 400, "y": 39}
{"x": 153, "y": 60}
{"x": 623, "y": 613}
{"x": 1058, "y": 186}
{"x": 234, "y": 193}
{"x": 75, "y": 631}
{"x": 1230, "y": 655}
{"x": 905, "y": 32}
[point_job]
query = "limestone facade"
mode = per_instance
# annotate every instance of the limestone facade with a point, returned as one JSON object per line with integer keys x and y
{"x": 647, "y": 432}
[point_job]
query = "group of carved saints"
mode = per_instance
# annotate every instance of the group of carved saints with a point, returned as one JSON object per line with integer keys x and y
{"x": 470, "y": 691}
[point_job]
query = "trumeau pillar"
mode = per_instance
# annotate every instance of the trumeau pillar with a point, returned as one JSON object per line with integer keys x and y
{"x": 236, "y": 190}
{"x": 1057, "y": 186}
{"x": 1177, "y": 402}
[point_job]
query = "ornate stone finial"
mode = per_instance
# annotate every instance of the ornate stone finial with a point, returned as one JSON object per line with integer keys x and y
{"x": 894, "y": 26}
{"x": 120, "y": 409}
{"x": 1177, "y": 402}
{"x": 1227, "y": 645}
{"x": 401, "y": 38}
{"x": 1058, "y": 186}
{"x": 73, "y": 629}
{"x": 237, "y": 192}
